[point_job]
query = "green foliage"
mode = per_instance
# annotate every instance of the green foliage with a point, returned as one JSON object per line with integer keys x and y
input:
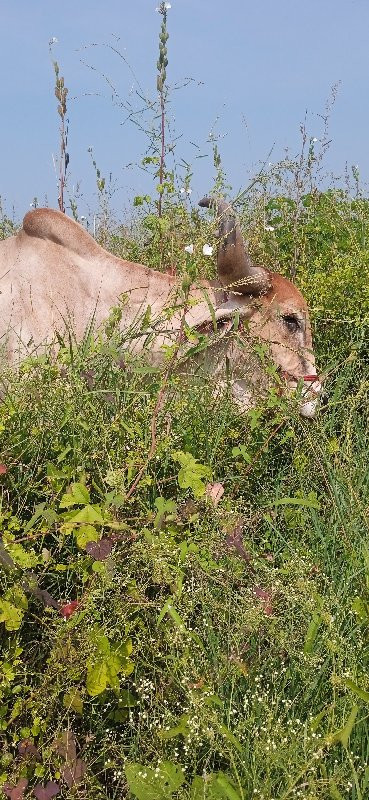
{"x": 107, "y": 663}
{"x": 184, "y": 634}
{"x": 191, "y": 474}
{"x": 146, "y": 783}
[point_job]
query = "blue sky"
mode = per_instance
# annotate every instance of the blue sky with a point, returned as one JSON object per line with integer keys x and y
{"x": 256, "y": 65}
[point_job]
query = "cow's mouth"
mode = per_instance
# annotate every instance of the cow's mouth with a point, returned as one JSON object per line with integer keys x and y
{"x": 310, "y": 392}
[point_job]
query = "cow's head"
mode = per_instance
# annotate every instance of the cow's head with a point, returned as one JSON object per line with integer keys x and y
{"x": 268, "y": 308}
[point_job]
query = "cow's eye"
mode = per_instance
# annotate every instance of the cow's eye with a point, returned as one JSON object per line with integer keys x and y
{"x": 291, "y": 322}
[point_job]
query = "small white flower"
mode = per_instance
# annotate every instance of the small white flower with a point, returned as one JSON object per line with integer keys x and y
{"x": 182, "y": 190}
{"x": 185, "y": 191}
{"x": 53, "y": 40}
{"x": 167, "y": 6}
{"x": 314, "y": 139}
{"x": 207, "y": 250}
{"x": 269, "y": 227}
{"x": 189, "y": 249}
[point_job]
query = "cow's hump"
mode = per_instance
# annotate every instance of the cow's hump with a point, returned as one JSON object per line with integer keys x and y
{"x": 51, "y": 225}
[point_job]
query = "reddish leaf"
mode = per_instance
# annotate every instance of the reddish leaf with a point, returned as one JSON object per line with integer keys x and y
{"x": 66, "y": 746}
{"x": 73, "y": 773}
{"x": 234, "y": 541}
{"x": 27, "y": 748}
{"x": 46, "y": 792}
{"x": 198, "y": 685}
{"x": 215, "y": 492}
{"x": 33, "y": 588}
{"x": 69, "y": 608}
{"x": 47, "y": 599}
{"x": 16, "y": 792}
{"x": 3, "y": 469}
{"x": 100, "y": 550}
{"x": 266, "y": 598}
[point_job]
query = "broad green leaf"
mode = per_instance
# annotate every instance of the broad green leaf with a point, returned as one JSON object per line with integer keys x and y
{"x": 164, "y": 507}
{"x": 361, "y": 608}
{"x": 215, "y": 786}
{"x": 305, "y": 502}
{"x": 127, "y": 699}
{"x": 26, "y": 559}
{"x": 97, "y": 678}
{"x": 127, "y": 666}
{"x": 169, "y": 609}
{"x": 38, "y": 513}
{"x": 78, "y": 495}
{"x": 343, "y": 735}
{"x": 312, "y": 633}
{"x": 74, "y": 701}
{"x": 99, "y": 567}
{"x": 113, "y": 667}
{"x": 228, "y": 790}
{"x": 10, "y": 615}
{"x": 89, "y": 515}
{"x": 125, "y": 648}
{"x": 85, "y": 534}
{"x": 315, "y": 722}
{"x": 192, "y": 474}
{"x": 356, "y": 689}
{"x": 206, "y": 788}
{"x": 17, "y": 596}
{"x": 241, "y": 450}
{"x": 145, "y": 784}
{"x": 101, "y": 642}
{"x": 213, "y": 700}
{"x": 181, "y": 729}
{"x": 333, "y": 790}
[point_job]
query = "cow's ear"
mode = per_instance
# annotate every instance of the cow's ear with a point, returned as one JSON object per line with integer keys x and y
{"x": 235, "y": 269}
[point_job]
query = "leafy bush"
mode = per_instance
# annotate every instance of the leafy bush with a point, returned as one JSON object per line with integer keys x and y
{"x": 179, "y": 642}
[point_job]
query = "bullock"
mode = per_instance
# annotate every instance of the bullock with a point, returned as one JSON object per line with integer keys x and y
{"x": 54, "y": 276}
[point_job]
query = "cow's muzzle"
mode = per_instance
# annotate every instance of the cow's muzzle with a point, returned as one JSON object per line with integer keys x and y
{"x": 311, "y": 390}
{"x": 310, "y": 396}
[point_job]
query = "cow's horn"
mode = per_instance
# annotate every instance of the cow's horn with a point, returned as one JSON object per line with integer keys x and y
{"x": 235, "y": 269}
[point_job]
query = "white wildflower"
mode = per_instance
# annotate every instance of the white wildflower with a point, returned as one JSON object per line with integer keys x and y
{"x": 314, "y": 139}
{"x": 53, "y": 40}
{"x": 189, "y": 249}
{"x": 269, "y": 227}
{"x": 207, "y": 250}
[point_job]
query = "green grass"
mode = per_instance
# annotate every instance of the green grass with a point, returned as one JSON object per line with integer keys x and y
{"x": 230, "y": 640}
{"x": 191, "y": 649}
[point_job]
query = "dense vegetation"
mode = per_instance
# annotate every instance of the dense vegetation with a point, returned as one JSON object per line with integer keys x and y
{"x": 176, "y": 642}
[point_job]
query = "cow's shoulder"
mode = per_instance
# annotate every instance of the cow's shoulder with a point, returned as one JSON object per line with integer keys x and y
{"x": 50, "y": 225}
